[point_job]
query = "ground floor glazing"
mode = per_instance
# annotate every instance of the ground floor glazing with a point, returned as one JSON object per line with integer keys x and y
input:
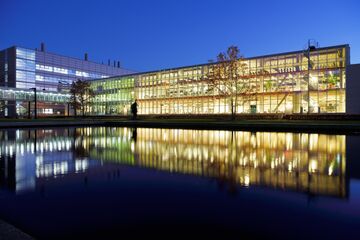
{"x": 330, "y": 101}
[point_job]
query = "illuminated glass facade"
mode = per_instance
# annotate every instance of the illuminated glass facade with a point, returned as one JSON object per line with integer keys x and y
{"x": 24, "y": 68}
{"x": 12, "y": 94}
{"x": 314, "y": 81}
{"x": 114, "y": 96}
{"x": 294, "y": 82}
{"x": 49, "y": 71}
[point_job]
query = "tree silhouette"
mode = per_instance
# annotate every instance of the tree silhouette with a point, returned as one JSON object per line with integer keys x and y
{"x": 81, "y": 95}
{"x": 227, "y": 76}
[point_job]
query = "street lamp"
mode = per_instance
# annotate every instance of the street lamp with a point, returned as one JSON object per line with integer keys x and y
{"x": 35, "y": 107}
{"x": 310, "y": 47}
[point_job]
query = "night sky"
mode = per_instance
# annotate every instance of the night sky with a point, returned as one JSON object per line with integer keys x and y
{"x": 155, "y": 34}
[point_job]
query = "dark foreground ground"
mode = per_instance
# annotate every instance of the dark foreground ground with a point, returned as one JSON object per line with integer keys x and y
{"x": 333, "y": 126}
{"x": 10, "y": 232}
{"x": 119, "y": 202}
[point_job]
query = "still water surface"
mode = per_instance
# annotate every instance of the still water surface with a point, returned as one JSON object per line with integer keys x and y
{"x": 111, "y": 182}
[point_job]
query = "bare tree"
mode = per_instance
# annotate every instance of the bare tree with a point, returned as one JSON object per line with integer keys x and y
{"x": 227, "y": 77}
{"x": 81, "y": 95}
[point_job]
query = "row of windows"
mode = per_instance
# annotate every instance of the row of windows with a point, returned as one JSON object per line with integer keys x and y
{"x": 318, "y": 62}
{"x": 103, "y": 69}
{"x": 327, "y": 102}
{"x": 47, "y": 58}
{"x": 72, "y": 72}
{"x": 25, "y": 76}
{"x": 291, "y": 60}
{"x": 40, "y": 86}
{"x": 22, "y": 95}
{"x": 113, "y": 85}
{"x": 28, "y": 79}
{"x": 322, "y": 61}
{"x": 324, "y": 102}
{"x": 23, "y": 64}
{"x": 53, "y": 79}
{"x": 25, "y": 60}
{"x": 180, "y": 79}
{"x": 120, "y": 96}
{"x": 286, "y": 83}
{"x": 25, "y": 85}
{"x": 25, "y": 53}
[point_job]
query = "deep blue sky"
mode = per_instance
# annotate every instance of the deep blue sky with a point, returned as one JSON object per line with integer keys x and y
{"x": 155, "y": 34}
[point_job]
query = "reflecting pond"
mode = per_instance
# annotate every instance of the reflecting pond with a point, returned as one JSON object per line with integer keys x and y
{"x": 106, "y": 182}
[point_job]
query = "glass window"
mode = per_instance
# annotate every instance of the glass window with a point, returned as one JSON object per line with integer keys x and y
{"x": 23, "y": 64}
{"x": 25, "y": 53}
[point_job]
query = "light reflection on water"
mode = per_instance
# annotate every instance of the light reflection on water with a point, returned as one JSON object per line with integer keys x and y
{"x": 302, "y": 162}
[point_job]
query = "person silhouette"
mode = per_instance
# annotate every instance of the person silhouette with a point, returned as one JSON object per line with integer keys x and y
{"x": 134, "y": 107}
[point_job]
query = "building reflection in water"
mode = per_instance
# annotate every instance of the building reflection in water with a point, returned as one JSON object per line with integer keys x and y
{"x": 28, "y": 155}
{"x": 302, "y": 162}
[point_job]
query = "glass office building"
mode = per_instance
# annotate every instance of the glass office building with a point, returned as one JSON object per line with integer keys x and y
{"x": 307, "y": 81}
{"x": 24, "y": 68}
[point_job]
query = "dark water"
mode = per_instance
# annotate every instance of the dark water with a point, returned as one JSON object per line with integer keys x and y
{"x": 169, "y": 183}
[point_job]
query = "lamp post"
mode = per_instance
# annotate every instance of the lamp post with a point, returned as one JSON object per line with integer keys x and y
{"x": 29, "y": 110}
{"x": 310, "y": 47}
{"x": 308, "y": 83}
{"x": 35, "y": 107}
{"x": 68, "y": 109}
